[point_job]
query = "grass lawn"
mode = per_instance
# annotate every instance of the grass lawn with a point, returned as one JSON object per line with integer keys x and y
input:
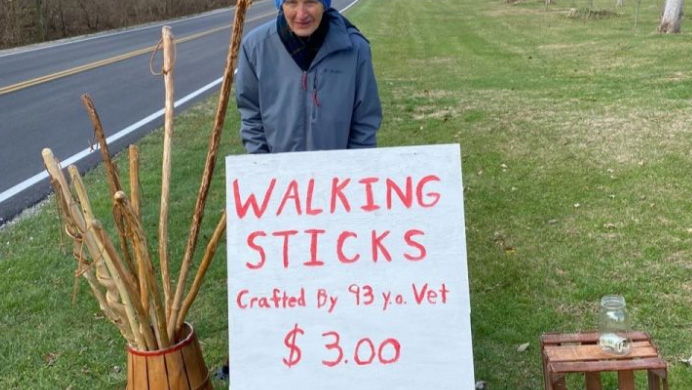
{"x": 577, "y": 147}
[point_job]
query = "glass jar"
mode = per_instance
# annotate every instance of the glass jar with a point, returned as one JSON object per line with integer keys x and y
{"x": 613, "y": 325}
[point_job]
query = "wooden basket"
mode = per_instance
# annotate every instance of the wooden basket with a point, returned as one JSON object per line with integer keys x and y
{"x": 180, "y": 367}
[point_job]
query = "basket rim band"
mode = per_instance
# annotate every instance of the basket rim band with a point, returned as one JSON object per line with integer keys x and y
{"x": 185, "y": 342}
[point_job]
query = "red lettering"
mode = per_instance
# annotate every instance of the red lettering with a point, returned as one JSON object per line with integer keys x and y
{"x": 419, "y": 295}
{"x": 337, "y": 192}
{"x": 397, "y": 350}
{"x": 410, "y": 242}
{"x": 335, "y": 345}
{"x": 419, "y": 192}
{"x": 314, "y": 262}
{"x": 340, "y": 248}
{"x": 356, "y": 355}
{"x": 406, "y": 198}
{"x": 378, "y": 247}
{"x": 369, "y": 198}
{"x": 291, "y": 193}
{"x": 308, "y": 203}
{"x": 241, "y": 208}
{"x": 251, "y": 243}
{"x": 239, "y": 299}
{"x": 429, "y": 295}
{"x": 444, "y": 291}
{"x": 285, "y": 234}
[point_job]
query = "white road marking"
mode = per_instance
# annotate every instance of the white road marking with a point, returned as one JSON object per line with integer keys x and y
{"x": 7, "y": 194}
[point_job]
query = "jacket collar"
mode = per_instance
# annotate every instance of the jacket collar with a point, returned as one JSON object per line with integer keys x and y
{"x": 337, "y": 38}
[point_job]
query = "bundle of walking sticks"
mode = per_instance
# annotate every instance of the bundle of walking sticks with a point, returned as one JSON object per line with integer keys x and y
{"x": 123, "y": 276}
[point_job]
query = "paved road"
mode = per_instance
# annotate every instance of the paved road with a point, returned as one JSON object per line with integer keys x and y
{"x": 41, "y": 86}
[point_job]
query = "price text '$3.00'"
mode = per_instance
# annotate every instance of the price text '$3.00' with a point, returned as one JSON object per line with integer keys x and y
{"x": 365, "y": 351}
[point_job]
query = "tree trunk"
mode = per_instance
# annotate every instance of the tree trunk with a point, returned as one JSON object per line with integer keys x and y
{"x": 40, "y": 22}
{"x": 63, "y": 30}
{"x": 670, "y": 22}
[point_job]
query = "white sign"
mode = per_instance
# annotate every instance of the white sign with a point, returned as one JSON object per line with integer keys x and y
{"x": 347, "y": 270}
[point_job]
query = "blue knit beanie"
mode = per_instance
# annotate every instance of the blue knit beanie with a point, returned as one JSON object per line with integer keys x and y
{"x": 326, "y": 3}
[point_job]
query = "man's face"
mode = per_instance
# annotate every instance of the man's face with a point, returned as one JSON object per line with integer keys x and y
{"x": 303, "y": 16}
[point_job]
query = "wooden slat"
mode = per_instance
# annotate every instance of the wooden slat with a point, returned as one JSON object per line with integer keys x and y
{"x": 607, "y": 365}
{"x": 196, "y": 370}
{"x": 558, "y": 382}
{"x": 654, "y": 381}
{"x": 661, "y": 372}
{"x": 546, "y": 374}
{"x": 584, "y": 337}
{"x": 177, "y": 377}
{"x": 158, "y": 376}
{"x": 140, "y": 373}
{"x": 626, "y": 380}
{"x": 130, "y": 372}
{"x": 205, "y": 383}
{"x": 571, "y": 353}
{"x": 593, "y": 381}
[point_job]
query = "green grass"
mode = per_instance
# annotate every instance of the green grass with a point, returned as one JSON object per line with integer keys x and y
{"x": 576, "y": 152}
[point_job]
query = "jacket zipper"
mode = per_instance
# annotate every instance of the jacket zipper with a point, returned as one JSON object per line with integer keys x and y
{"x": 315, "y": 100}
{"x": 306, "y": 122}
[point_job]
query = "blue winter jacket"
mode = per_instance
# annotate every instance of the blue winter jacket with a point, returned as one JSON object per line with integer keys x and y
{"x": 334, "y": 105}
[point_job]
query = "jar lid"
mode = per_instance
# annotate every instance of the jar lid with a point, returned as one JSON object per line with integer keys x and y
{"x": 613, "y": 301}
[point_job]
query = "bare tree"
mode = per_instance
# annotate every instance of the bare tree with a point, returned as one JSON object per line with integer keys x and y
{"x": 17, "y": 15}
{"x": 28, "y": 21}
{"x": 40, "y": 22}
{"x": 672, "y": 15}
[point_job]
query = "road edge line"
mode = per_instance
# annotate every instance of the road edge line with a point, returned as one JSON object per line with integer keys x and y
{"x": 16, "y": 189}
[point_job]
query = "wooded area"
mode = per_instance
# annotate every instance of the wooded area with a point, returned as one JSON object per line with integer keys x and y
{"x": 24, "y": 22}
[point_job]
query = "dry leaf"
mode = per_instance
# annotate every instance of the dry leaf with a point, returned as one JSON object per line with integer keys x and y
{"x": 50, "y": 359}
{"x": 523, "y": 347}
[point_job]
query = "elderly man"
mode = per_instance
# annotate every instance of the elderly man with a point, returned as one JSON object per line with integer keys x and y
{"x": 305, "y": 82}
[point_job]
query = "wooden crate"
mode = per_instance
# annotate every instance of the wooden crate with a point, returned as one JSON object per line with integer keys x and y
{"x": 570, "y": 353}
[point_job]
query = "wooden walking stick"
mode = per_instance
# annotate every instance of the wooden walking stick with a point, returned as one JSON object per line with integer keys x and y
{"x": 112, "y": 173}
{"x": 231, "y": 60}
{"x": 135, "y": 195}
{"x": 74, "y": 212}
{"x": 104, "y": 258}
{"x": 83, "y": 269}
{"x": 202, "y": 270}
{"x": 147, "y": 275}
{"x": 168, "y": 61}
